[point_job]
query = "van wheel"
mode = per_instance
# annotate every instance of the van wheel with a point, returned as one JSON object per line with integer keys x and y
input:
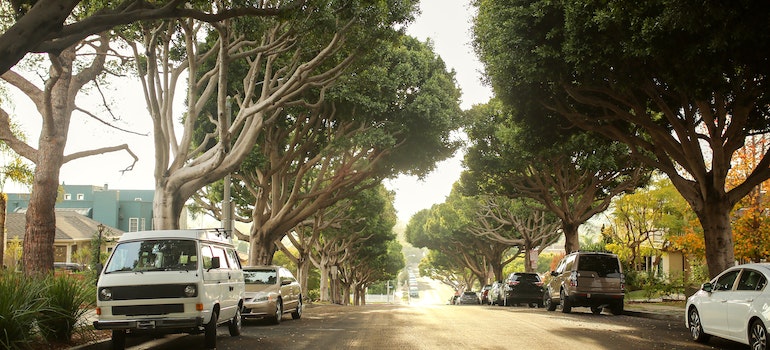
{"x": 298, "y": 311}
{"x": 118, "y": 339}
{"x": 235, "y": 324}
{"x": 210, "y": 335}
{"x": 276, "y": 318}
{"x": 566, "y": 306}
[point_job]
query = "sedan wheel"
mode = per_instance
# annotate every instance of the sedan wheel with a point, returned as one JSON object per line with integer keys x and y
{"x": 298, "y": 311}
{"x": 758, "y": 336}
{"x": 696, "y": 328}
{"x": 276, "y": 318}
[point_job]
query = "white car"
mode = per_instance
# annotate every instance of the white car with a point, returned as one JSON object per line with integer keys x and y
{"x": 734, "y": 306}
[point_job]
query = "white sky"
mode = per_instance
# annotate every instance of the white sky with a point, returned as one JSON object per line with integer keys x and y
{"x": 446, "y": 22}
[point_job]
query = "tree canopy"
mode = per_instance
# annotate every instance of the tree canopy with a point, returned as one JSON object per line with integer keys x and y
{"x": 681, "y": 83}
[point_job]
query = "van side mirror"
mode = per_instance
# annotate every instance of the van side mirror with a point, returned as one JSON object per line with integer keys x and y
{"x": 214, "y": 263}
{"x": 707, "y": 287}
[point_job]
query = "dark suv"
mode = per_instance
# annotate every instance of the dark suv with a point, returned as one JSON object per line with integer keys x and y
{"x": 587, "y": 279}
{"x": 523, "y": 287}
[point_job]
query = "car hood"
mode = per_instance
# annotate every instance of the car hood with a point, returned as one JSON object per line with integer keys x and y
{"x": 264, "y": 288}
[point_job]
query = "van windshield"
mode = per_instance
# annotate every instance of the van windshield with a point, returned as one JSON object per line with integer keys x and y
{"x": 154, "y": 255}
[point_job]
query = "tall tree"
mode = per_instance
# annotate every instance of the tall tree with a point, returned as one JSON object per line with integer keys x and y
{"x": 384, "y": 118}
{"x": 519, "y": 222}
{"x": 574, "y": 175}
{"x": 682, "y": 83}
{"x": 51, "y": 26}
{"x": 55, "y": 98}
{"x": 293, "y": 55}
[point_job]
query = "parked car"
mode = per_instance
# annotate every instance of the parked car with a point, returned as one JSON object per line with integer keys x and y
{"x": 733, "y": 306}
{"x": 587, "y": 279}
{"x": 74, "y": 267}
{"x": 484, "y": 294}
{"x": 523, "y": 287}
{"x": 496, "y": 293}
{"x": 468, "y": 298}
{"x": 271, "y": 291}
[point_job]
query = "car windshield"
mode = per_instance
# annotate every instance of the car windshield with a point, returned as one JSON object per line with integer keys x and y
{"x": 154, "y": 255}
{"x": 259, "y": 276}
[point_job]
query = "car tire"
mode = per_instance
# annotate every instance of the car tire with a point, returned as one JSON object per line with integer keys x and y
{"x": 210, "y": 332}
{"x": 596, "y": 310}
{"x": 276, "y": 318}
{"x": 548, "y": 302}
{"x": 617, "y": 308}
{"x": 298, "y": 311}
{"x": 118, "y": 339}
{"x": 758, "y": 335}
{"x": 235, "y": 324}
{"x": 696, "y": 328}
{"x": 566, "y": 305}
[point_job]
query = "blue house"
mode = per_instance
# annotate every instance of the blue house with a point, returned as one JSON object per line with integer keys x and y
{"x": 125, "y": 210}
{"x": 83, "y": 211}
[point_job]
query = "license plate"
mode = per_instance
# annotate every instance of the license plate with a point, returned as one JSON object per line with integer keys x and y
{"x": 588, "y": 295}
{"x": 145, "y": 324}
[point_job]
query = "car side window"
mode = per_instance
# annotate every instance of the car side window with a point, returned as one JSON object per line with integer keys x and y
{"x": 232, "y": 258}
{"x": 220, "y": 253}
{"x": 206, "y": 255}
{"x": 751, "y": 280}
{"x": 569, "y": 263}
{"x": 726, "y": 281}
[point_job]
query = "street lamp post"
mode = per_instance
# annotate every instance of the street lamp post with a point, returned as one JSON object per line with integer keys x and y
{"x": 100, "y": 229}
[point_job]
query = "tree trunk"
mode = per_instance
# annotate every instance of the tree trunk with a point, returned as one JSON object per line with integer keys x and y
{"x": 718, "y": 236}
{"x": 3, "y": 207}
{"x": 303, "y": 273}
{"x": 261, "y": 251}
{"x": 40, "y": 230}
{"x": 167, "y": 207}
{"x": 571, "y": 240}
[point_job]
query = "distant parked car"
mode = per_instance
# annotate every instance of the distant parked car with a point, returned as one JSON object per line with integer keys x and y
{"x": 468, "y": 298}
{"x": 271, "y": 291}
{"x": 484, "y": 294}
{"x": 732, "y": 306}
{"x": 496, "y": 293}
{"x": 523, "y": 287}
{"x": 68, "y": 266}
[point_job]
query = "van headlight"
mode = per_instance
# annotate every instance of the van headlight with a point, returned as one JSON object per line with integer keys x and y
{"x": 190, "y": 290}
{"x": 105, "y": 294}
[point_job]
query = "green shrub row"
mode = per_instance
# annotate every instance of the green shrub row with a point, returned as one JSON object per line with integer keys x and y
{"x": 47, "y": 308}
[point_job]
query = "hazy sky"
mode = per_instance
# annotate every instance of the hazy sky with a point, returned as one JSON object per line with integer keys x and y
{"x": 445, "y": 22}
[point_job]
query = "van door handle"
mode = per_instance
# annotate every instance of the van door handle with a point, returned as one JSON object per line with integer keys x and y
{"x": 231, "y": 288}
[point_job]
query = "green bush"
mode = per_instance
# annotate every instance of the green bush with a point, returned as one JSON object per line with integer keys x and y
{"x": 23, "y": 301}
{"x": 69, "y": 298}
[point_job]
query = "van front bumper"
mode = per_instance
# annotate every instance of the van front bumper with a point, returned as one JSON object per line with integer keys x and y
{"x": 151, "y": 324}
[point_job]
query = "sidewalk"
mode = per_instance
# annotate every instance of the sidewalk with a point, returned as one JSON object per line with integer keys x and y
{"x": 655, "y": 310}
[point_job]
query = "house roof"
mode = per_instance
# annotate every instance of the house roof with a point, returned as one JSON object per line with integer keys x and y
{"x": 70, "y": 226}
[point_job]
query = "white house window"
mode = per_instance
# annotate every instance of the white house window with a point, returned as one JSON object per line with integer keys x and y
{"x": 67, "y": 196}
{"x": 81, "y": 196}
{"x": 133, "y": 224}
{"x": 142, "y": 226}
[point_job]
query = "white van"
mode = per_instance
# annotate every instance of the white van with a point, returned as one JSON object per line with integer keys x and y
{"x": 174, "y": 281}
